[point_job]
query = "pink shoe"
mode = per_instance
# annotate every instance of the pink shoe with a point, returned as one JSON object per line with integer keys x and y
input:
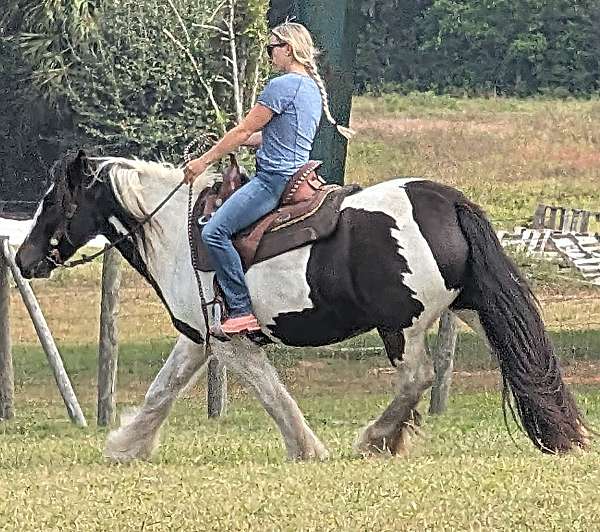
{"x": 246, "y": 323}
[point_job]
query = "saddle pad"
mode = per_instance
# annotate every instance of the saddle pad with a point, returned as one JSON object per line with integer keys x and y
{"x": 318, "y": 225}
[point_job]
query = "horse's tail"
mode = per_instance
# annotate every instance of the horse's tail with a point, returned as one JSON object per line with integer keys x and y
{"x": 510, "y": 316}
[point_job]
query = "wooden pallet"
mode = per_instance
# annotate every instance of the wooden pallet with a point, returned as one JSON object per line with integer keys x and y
{"x": 563, "y": 219}
{"x": 581, "y": 250}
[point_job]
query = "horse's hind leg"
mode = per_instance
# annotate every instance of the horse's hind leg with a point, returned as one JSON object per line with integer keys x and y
{"x": 390, "y": 433}
{"x": 137, "y": 437}
{"x": 251, "y": 364}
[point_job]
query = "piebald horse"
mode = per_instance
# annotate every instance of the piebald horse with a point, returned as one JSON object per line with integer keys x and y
{"x": 403, "y": 252}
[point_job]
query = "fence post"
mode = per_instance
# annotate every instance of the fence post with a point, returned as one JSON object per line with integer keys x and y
{"x": 7, "y": 388}
{"x": 216, "y": 390}
{"x": 443, "y": 362}
{"x": 45, "y": 336}
{"x": 108, "y": 346}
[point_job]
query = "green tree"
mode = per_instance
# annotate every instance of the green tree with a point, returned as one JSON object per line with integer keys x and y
{"x": 144, "y": 78}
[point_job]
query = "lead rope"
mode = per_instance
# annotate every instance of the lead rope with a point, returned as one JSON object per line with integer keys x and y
{"x": 194, "y": 256}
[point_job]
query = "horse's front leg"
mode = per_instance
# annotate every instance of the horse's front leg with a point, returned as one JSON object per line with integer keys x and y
{"x": 137, "y": 437}
{"x": 251, "y": 364}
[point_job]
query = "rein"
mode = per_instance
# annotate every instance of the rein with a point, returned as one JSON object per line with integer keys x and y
{"x": 187, "y": 157}
{"x": 89, "y": 258}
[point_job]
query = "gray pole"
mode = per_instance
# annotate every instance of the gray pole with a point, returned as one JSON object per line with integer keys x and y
{"x": 108, "y": 349}
{"x": 45, "y": 336}
{"x": 7, "y": 388}
{"x": 443, "y": 362}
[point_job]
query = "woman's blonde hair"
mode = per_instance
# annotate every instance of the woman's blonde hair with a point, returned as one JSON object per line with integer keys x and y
{"x": 304, "y": 51}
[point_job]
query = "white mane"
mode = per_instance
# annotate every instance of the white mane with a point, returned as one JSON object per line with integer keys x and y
{"x": 136, "y": 182}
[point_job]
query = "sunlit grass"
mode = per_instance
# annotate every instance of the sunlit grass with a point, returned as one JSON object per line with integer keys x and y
{"x": 464, "y": 473}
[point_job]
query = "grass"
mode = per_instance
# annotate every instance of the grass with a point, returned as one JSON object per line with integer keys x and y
{"x": 464, "y": 474}
{"x": 506, "y": 154}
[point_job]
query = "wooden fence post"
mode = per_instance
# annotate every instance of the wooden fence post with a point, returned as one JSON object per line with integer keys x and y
{"x": 108, "y": 347}
{"x": 443, "y": 362}
{"x": 216, "y": 390}
{"x": 45, "y": 336}
{"x": 7, "y": 388}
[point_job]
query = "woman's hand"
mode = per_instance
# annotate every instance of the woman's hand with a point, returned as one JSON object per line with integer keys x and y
{"x": 194, "y": 168}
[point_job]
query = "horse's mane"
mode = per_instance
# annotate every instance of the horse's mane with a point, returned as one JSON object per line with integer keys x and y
{"x": 129, "y": 177}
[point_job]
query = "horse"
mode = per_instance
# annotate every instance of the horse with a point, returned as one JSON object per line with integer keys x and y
{"x": 403, "y": 252}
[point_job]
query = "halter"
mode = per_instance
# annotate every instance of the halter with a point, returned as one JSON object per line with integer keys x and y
{"x": 54, "y": 255}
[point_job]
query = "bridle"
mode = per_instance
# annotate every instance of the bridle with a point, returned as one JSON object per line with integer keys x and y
{"x": 63, "y": 232}
{"x": 69, "y": 213}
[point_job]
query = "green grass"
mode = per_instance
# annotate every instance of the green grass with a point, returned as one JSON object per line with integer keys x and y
{"x": 464, "y": 473}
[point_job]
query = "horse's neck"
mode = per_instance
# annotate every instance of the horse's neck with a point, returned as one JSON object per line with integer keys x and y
{"x": 161, "y": 248}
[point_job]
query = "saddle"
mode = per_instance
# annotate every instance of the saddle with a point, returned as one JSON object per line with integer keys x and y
{"x": 308, "y": 211}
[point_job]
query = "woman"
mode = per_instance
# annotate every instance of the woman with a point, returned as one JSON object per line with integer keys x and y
{"x": 283, "y": 123}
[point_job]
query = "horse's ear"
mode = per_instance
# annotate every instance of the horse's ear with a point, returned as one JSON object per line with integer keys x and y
{"x": 77, "y": 169}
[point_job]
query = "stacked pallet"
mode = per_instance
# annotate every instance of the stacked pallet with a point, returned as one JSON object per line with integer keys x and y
{"x": 562, "y": 232}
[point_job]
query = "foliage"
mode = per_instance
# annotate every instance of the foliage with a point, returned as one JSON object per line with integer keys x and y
{"x": 31, "y": 131}
{"x": 143, "y": 78}
{"x": 499, "y": 46}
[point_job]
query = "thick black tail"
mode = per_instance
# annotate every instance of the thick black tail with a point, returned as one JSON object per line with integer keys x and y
{"x": 509, "y": 314}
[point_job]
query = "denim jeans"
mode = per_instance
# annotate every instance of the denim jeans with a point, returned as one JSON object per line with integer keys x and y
{"x": 258, "y": 197}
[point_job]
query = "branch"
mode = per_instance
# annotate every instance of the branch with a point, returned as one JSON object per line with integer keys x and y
{"x": 239, "y": 106}
{"x": 209, "y": 91}
{"x": 221, "y": 79}
{"x": 217, "y": 9}
{"x": 211, "y": 27}
{"x": 181, "y": 23}
{"x": 255, "y": 81}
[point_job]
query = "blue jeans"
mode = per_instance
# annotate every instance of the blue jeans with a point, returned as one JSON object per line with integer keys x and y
{"x": 258, "y": 197}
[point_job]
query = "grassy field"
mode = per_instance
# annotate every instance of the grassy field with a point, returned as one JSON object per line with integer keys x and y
{"x": 506, "y": 154}
{"x": 464, "y": 473}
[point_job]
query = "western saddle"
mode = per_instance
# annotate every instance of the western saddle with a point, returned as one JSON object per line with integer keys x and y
{"x": 308, "y": 211}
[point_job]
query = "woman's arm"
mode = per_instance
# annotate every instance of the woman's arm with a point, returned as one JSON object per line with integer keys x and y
{"x": 254, "y": 140}
{"x": 258, "y": 117}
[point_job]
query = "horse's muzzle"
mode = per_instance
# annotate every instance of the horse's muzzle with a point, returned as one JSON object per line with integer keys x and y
{"x": 38, "y": 269}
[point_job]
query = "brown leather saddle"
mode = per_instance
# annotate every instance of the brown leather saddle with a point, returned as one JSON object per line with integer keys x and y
{"x": 308, "y": 211}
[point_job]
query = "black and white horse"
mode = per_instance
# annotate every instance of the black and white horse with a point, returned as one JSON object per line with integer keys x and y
{"x": 404, "y": 251}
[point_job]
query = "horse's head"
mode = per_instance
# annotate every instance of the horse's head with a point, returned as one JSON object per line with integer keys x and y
{"x": 66, "y": 219}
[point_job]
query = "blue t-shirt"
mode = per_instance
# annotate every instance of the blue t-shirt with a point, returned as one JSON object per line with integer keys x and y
{"x": 288, "y": 137}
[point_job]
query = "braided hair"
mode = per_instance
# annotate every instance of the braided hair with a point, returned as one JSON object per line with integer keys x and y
{"x": 304, "y": 51}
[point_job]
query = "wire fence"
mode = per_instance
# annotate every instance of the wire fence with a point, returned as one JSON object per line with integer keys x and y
{"x": 18, "y": 210}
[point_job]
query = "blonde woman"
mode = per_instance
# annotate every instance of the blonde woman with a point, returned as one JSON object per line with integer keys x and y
{"x": 283, "y": 125}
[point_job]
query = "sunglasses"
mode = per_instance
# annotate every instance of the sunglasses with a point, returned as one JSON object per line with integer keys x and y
{"x": 271, "y": 47}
